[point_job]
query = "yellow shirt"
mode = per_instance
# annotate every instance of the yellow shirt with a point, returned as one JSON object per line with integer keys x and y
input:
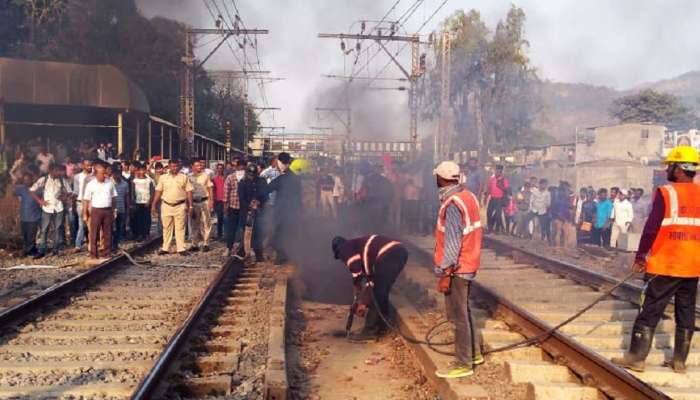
{"x": 174, "y": 188}
{"x": 200, "y": 185}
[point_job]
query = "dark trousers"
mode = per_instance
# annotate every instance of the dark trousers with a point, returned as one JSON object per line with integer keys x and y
{"x": 119, "y": 230}
{"x": 100, "y": 220}
{"x": 494, "y": 215}
{"x": 231, "y": 224}
{"x": 659, "y": 291}
{"x": 410, "y": 210}
{"x": 141, "y": 217}
{"x": 29, "y": 230}
{"x": 601, "y": 236}
{"x": 282, "y": 227}
{"x": 219, "y": 210}
{"x": 468, "y": 340}
{"x": 386, "y": 270}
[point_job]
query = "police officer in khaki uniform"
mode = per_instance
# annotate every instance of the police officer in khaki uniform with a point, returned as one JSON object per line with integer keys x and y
{"x": 202, "y": 204}
{"x": 175, "y": 191}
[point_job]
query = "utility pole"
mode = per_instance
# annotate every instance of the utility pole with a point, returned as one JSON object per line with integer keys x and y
{"x": 442, "y": 140}
{"x": 417, "y": 67}
{"x": 187, "y": 79}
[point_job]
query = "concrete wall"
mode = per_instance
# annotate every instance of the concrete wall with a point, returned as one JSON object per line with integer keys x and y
{"x": 618, "y": 142}
{"x": 598, "y": 177}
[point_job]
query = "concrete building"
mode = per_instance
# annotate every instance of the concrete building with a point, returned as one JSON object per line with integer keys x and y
{"x": 635, "y": 142}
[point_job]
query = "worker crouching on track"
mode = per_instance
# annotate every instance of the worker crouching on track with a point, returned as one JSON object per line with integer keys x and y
{"x": 457, "y": 256}
{"x": 671, "y": 238}
{"x": 375, "y": 262}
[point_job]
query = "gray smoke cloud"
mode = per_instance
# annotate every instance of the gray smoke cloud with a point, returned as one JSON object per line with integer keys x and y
{"x": 621, "y": 44}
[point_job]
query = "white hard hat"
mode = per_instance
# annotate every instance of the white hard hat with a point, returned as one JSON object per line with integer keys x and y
{"x": 448, "y": 170}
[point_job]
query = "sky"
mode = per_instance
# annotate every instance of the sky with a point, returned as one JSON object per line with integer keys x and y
{"x": 616, "y": 43}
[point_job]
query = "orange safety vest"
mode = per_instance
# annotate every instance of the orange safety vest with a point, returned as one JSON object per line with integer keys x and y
{"x": 676, "y": 248}
{"x": 470, "y": 251}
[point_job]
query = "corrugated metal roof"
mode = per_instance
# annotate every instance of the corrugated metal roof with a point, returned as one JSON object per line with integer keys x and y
{"x": 65, "y": 84}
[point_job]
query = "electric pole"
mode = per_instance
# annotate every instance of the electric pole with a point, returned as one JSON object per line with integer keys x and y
{"x": 187, "y": 80}
{"x": 442, "y": 142}
{"x": 416, "y": 71}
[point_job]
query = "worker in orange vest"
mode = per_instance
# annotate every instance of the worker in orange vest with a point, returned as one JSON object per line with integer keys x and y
{"x": 669, "y": 254}
{"x": 457, "y": 256}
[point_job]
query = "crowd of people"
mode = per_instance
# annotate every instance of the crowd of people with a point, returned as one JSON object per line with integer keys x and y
{"x": 556, "y": 213}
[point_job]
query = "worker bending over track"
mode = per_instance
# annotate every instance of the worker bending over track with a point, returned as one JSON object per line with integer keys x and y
{"x": 671, "y": 238}
{"x": 375, "y": 262}
{"x": 457, "y": 256}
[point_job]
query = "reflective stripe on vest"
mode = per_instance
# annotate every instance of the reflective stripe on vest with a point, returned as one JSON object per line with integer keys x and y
{"x": 386, "y": 248}
{"x": 674, "y": 219}
{"x": 365, "y": 254}
{"x": 351, "y": 260}
{"x": 468, "y": 226}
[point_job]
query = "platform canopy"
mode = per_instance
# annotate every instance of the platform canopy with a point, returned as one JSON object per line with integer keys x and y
{"x": 65, "y": 84}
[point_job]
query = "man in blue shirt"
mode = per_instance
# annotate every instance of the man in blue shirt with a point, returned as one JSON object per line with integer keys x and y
{"x": 601, "y": 227}
{"x": 29, "y": 215}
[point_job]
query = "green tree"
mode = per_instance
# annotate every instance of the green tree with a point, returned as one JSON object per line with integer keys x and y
{"x": 493, "y": 92}
{"x": 651, "y": 106}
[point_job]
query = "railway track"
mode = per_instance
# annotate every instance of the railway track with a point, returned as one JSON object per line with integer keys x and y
{"x": 531, "y": 293}
{"x": 108, "y": 332}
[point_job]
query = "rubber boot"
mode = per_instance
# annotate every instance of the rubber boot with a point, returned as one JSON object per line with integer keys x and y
{"x": 640, "y": 345}
{"x": 681, "y": 348}
{"x": 370, "y": 332}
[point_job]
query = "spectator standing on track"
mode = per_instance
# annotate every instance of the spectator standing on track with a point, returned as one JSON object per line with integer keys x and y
{"x": 29, "y": 215}
{"x": 328, "y": 206}
{"x": 522, "y": 204}
{"x": 540, "y": 201}
{"x": 288, "y": 206}
{"x": 496, "y": 187}
{"x": 142, "y": 191}
{"x": 219, "y": 182}
{"x": 158, "y": 171}
{"x": 50, "y": 191}
{"x": 561, "y": 215}
{"x": 411, "y": 206}
{"x": 79, "y": 182}
{"x": 587, "y": 216}
{"x": 667, "y": 255}
{"x": 458, "y": 236}
{"x": 252, "y": 200}
{"x": 475, "y": 179}
{"x": 603, "y": 210}
{"x": 121, "y": 206}
{"x": 623, "y": 215}
{"x": 174, "y": 190}
{"x": 232, "y": 208}
{"x": 641, "y": 207}
{"x": 44, "y": 160}
{"x": 100, "y": 208}
{"x": 202, "y": 204}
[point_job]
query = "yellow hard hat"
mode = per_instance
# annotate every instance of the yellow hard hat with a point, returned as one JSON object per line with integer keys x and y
{"x": 683, "y": 155}
{"x": 300, "y": 166}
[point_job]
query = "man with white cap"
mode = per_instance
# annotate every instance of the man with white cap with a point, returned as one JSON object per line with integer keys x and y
{"x": 458, "y": 237}
{"x": 623, "y": 215}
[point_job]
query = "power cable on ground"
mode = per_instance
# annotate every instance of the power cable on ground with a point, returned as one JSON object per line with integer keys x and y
{"x": 523, "y": 343}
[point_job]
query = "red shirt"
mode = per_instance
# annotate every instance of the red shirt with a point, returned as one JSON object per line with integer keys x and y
{"x": 219, "y": 187}
{"x": 494, "y": 190}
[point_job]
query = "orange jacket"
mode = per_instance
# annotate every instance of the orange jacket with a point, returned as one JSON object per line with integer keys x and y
{"x": 470, "y": 251}
{"x": 676, "y": 249}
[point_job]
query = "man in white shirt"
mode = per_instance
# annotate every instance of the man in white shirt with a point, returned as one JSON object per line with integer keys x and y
{"x": 79, "y": 182}
{"x": 50, "y": 192}
{"x": 45, "y": 160}
{"x": 98, "y": 209}
{"x": 623, "y": 213}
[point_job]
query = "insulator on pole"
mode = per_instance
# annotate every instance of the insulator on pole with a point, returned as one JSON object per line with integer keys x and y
{"x": 342, "y": 45}
{"x": 363, "y": 26}
{"x": 358, "y": 46}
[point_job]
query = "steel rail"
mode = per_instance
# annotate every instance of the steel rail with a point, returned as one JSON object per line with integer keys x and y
{"x": 23, "y": 311}
{"x": 150, "y": 383}
{"x": 593, "y": 369}
{"x": 627, "y": 291}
